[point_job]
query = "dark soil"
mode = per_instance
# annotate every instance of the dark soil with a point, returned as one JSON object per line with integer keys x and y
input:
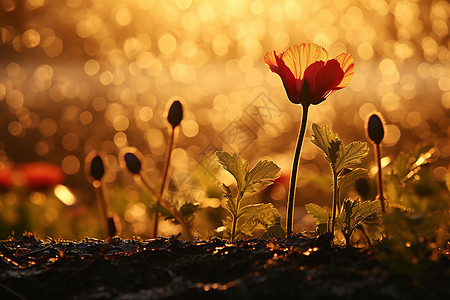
{"x": 167, "y": 268}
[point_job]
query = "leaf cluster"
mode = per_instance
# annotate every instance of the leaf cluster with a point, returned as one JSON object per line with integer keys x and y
{"x": 341, "y": 158}
{"x": 353, "y": 214}
{"x": 245, "y": 219}
{"x": 418, "y": 219}
{"x": 338, "y": 155}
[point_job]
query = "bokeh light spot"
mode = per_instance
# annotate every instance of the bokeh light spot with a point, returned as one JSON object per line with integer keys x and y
{"x": 167, "y": 44}
{"x": 70, "y": 165}
{"x": 86, "y": 118}
{"x": 91, "y": 67}
{"x": 14, "y": 99}
{"x": 121, "y": 123}
{"x": 120, "y": 139}
{"x": 48, "y": 127}
{"x": 392, "y": 135}
{"x": 64, "y": 194}
{"x": 31, "y": 38}
{"x": 70, "y": 141}
{"x": 123, "y": 16}
{"x": 190, "y": 128}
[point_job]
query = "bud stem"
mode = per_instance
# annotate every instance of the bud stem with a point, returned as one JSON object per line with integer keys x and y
{"x": 167, "y": 205}
{"x": 164, "y": 179}
{"x": 103, "y": 205}
{"x": 380, "y": 176}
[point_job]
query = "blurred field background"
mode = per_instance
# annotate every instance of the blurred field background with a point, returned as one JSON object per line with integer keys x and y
{"x": 83, "y": 75}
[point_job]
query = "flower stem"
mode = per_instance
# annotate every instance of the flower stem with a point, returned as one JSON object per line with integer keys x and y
{"x": 293, "y": 183}
{"x": 164, "y": 180}
{"x": 335, "y": 201}
{"x": 380, "y": 176}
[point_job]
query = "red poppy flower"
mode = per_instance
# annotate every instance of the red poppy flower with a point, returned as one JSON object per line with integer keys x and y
{"x": 6, "y": 179}
{"x": 41, "y": 175}
{"x": 308, "y": 76}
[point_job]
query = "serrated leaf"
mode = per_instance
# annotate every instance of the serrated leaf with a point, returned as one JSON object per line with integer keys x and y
{"x": 327, "y": 141}
{"x": 235, "y": 165}
{"x": 351, "y": 155}
{"x": 260, "y": 176}
{"x": 257, "y": 216}
{"x": 339, "y": 156}
{"x": 354, "y": 213}
{"x": 229, "y": 203}
{"x": 253, "y": 210}
{"x": 319, "y": 213}
{"x": 352, "y": 176}
{"x": 276, "y": 231}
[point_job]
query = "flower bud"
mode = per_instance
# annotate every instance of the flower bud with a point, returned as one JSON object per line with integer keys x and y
{"x": 375, "y": 128}
{"x": 97, "y": 169}
{"x": 175, "y": 114}
{"x": 132, "y": 162}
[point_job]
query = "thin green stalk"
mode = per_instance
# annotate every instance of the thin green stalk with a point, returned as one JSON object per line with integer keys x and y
{"x": 164, "y": 180}
{"x": 380, "y": 176}
{"x": 233, "y": 228}
{"x": 235, "y": 216}
{"x": 168, "y": 206}
{"x": 293, "y": 183}
{"x": 335, "y": 200}
{"x": 103, "y": 207}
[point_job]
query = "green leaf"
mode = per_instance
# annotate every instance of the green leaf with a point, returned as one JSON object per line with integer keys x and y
{"x": 235, "y": 165}
{"x": 229, "y": 203}
{"x": 250, "y": 217}
{"x": 354, "y": 213}
{"x": 351, "y": 155}
{"x": 319, "y": 213}
{"x": 276, "y": 231}
{"x": 411, "y": 227}
{"x": 257, "y": 216}
{"x": 261, "y": 176}
{"x": 339, "y": 156}
{"x": 327, "y": 141}
{"x": 352, "y": 176}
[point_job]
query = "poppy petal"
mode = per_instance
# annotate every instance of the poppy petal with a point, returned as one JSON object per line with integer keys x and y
{"x": 306, "y": 66}
{"x": 347, "y": 64}
{"x": 327, "y": 79}
{"x": 311, "y": 75}
{"x": 291, "y": 84}
{"x": 323, "y": 78}
{"x": 270, "y": 60}
{"x": 299, "y": 57}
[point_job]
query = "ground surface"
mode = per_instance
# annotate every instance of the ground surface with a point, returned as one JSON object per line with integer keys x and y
{"x": 167, "y": 268}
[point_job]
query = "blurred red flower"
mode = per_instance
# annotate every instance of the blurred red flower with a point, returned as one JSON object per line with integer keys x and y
{"x": 308, "y": 76}
{"x": 283, "y": 179}
{"x": 41, "y": 175}
{"x": 6, "y": 179}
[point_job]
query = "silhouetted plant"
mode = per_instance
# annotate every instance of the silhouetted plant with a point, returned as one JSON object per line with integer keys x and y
{"x": 174, "y": 117}
{"x": 132, "y": 161}
{"x": 340, "y": 157}
{"x": 375, "y": 131}
{"x": 245, "y": 219}
{"x": 96, "y": 170}
{"x": 309, "y": 77}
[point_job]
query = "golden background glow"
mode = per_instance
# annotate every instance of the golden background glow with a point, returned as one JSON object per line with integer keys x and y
{"x": 83, "y": 75}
